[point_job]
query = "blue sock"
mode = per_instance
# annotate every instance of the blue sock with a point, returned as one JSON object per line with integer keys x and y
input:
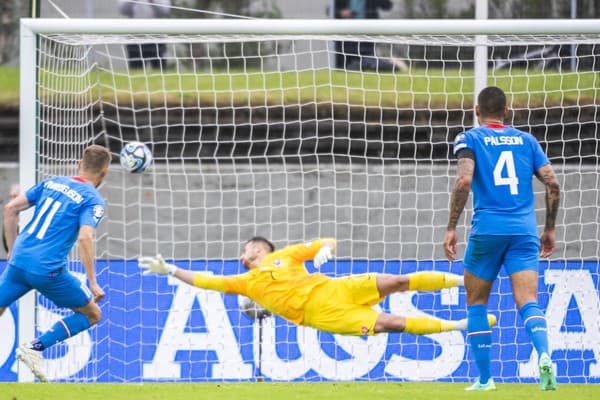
{"x": 64, "y": 329}
{"x": 480, "y": 337}
{"x": 536, "y": 326}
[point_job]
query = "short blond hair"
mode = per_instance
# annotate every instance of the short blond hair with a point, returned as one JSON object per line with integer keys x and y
{"x": 95, "y": 158}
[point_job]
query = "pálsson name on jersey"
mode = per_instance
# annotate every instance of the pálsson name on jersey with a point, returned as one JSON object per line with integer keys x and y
{"x": 502, "y": 140}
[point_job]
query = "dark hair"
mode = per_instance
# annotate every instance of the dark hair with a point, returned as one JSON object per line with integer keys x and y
{"x": 265, "y": 241}
{"x": 95, "y": 158}
{"x": 492, "y": 102}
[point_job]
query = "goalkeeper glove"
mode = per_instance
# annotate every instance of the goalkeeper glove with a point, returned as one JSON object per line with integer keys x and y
{"x": 156, "y": 265}
{"x": 322, "y": 256}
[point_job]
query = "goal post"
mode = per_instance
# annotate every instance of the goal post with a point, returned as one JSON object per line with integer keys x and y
{"x": 256, "y": 130}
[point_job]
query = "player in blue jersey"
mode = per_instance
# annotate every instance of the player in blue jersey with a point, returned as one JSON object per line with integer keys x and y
{"x": 498, "y": 162}
{"x": 67, "y": 209}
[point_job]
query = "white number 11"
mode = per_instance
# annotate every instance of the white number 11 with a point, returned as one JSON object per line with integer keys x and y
{"x": 506, "y": 158}
{"x": 47, "y": 215}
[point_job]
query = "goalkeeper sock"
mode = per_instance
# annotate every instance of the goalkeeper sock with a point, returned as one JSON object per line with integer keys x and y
{"x": 480, "y": 337}
{"x": 65, "y": 328}
{"x": 422, "y": 325}
{"x": 427, "y": 281}
{"x": 536, "y": 326}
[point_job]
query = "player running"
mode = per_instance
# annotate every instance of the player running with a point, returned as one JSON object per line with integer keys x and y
{"x": 279, "y": 282}
{"x": 67, "y": 208}
{"x": 499, "y": 162}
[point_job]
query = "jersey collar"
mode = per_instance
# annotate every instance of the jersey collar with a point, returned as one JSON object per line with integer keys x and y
{"x": 80, "y": 179}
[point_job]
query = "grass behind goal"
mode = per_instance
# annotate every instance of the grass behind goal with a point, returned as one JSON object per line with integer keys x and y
{"x": 369, "y": 89}
{"x": 287, "y": 391}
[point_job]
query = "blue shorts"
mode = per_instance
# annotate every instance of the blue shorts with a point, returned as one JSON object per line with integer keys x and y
{"x": 61, "y": 287}
{"x": 486, "y": 253}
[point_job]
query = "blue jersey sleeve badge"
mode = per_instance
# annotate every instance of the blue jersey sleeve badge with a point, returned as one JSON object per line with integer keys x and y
{"x": 460, "y": 142}
{"x": 98, "y": 212}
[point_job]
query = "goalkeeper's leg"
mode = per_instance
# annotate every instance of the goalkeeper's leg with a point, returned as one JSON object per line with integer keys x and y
{"x": 421, "y": 325}
{"x": 422, "y": 281}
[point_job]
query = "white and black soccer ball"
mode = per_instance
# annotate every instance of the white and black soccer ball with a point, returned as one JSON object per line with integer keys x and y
{"x": 135, "y": 157}
{"x": 252, "y": 309}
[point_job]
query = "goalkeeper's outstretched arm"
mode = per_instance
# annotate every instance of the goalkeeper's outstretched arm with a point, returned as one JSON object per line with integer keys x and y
{"x": 157, "y": 265}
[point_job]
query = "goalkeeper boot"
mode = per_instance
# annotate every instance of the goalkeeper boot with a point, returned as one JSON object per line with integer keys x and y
{"x": 32, "y": 359}
{"x": 461, "y": 324}
{"x": 482, "y": 387}
{"x": 547, "y": 378}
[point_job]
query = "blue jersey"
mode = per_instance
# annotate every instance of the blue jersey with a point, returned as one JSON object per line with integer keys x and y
{"x": 505, "y": 162}
{"x": 62, "y": 205}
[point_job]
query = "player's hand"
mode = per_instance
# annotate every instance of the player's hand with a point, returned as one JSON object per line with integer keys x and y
{"x": 97, "y": 292}
{"x": 450, "y": 245}
{"x": 322, "y": 256}
{"x": 547, "y": 244}
{"x": 156, "y": 265}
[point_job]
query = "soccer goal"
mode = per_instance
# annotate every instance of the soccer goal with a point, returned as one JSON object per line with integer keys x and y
{"x": 295, "y": 130}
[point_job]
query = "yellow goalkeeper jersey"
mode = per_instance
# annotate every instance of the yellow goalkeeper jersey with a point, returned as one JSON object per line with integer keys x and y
{"x": 281, "y": 283}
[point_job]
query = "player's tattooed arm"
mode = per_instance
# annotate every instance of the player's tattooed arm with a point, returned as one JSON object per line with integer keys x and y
{"x": 548, "y": 178}
{"x": 460, "y": 192}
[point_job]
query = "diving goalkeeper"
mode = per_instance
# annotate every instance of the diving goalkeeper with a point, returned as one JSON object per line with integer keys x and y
{"x": 279, "y": 282}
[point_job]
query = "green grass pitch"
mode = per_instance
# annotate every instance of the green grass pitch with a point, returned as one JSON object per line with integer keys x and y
{"x": 287, "y": 391}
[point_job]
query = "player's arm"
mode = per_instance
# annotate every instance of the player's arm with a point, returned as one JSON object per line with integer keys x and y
{"x": 219, "y": 283}
{"x": 318, "y": 250}
{"x": 11, "y": 218}
{"x": 85, "y": 240}
{"x": 458, "y": 198}
{"x": 546, "y": 175}
{"x": 325, "y": 253}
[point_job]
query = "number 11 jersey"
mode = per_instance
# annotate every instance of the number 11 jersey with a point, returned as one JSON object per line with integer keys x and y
{"x": 62, "y": 205}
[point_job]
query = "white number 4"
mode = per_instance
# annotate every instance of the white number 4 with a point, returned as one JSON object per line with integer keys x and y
{"x": 506, "y": 158}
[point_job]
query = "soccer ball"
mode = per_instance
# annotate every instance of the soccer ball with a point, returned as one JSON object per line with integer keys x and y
{"x": 135, "y": 157}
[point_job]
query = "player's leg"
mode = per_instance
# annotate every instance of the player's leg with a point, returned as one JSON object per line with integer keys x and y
{"x": 422, "y": 281}
{"x": 420, "y": 325}
{"x": 482, "y": 262}
{"x": 522, "y": 266}
{"x": 479, "y": 331}
{"x": 12, "y": 287}
{"x": 368, "y": 290}
{"x": 525, "y": 285}
{"x": 344, "y": 306}
{"x": 64, "y": 290}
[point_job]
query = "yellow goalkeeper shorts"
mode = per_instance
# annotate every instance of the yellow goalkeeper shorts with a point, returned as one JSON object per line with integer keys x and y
{"x": 344, "y": 306}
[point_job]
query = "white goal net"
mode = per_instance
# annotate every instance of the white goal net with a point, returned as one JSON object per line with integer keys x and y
{"x": 300, "y": 136}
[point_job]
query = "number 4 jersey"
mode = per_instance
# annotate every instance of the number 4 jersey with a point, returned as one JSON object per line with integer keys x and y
{"x": 506, "y": 160}
{"x": 62, "y": 205}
